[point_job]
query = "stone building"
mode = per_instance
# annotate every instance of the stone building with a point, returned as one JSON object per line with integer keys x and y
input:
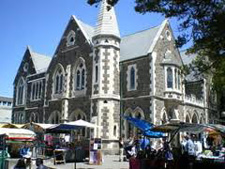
{"x": 5, "y": 109}
{"x": 96, "y": 75}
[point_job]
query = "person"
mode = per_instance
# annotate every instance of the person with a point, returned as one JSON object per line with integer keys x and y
{"x": 143, "y": 142}
{"x": 158, "y": 146}
{"x": 25, "y": 152}
{"x": 40, "y": 165}
{"x": 190, "y": 151}
{"x": 183, "y": 144}
{"x": 20, "y": 164}
{"x": 121, "y": 144}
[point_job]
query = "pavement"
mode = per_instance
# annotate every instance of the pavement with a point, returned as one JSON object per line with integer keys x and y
{"x": 109, "y": 162}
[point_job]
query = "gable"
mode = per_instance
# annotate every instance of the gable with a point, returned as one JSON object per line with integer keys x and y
{"x": 22, "y": 70}
{"x": 82, "y": 34}
{"x": 165, "y": 47}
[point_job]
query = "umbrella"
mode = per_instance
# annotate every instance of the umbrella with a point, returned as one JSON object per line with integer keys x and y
{"x": 82, "y": 123}
{"x": 144, "y": 126}
{"x": 180, "y": 126}
{"x": 18, "y": 134}
{"x": 63, "y": 128}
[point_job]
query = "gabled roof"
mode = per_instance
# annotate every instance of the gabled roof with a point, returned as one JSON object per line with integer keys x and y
{"x": 187, "y": 58}
{"x": 137, "y": 44}
{"x": 86, "y": 29}
{"x": 194, "y": 75}
{"x": 7, "y": 99}
{"x": 41, "y": 62}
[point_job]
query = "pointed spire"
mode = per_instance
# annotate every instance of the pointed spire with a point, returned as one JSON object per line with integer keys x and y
{"x": 107, "y": 22}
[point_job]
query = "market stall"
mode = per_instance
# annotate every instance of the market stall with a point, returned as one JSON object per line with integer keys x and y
{"x": 72, "y": 151}
{"x": 143, "y": 156}
{"x": 207, "y": 158}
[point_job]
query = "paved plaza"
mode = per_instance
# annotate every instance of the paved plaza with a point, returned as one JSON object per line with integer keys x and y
{"x": 109, "y": 162}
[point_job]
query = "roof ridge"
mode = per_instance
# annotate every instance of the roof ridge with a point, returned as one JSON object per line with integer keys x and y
{"x": 140, "y": 31}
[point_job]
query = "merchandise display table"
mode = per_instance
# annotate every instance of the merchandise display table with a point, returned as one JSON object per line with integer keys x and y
{"x": 59, "y": 155}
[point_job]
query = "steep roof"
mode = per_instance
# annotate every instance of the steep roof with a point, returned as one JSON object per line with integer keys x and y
{"x": 107, "y": 22}
{"x": 194, "y": 75}
{"x": 41, "y": 62}
{"x": 86, "y": 29}
{"x": 7, "y": 99}
{"x": 137, "y": 44}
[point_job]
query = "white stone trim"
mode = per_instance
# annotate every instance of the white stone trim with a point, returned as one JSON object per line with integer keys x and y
{"x": 153, "y": 73}
{"x": 158, "y": 35}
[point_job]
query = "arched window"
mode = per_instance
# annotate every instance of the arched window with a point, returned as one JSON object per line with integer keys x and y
{"x": 132, "y": 78}
{"x": 114, "y": 130}
{"x": 34, "y": 118}
{"x": 78, "y": 115}
{"x": 58, "y": 81}
{"x": 176, "y": 78}
{"x": 96, "y": 73}
{"x": 20, "y": 92}
{"x": 194, "y": 118}
{"x": 78, "y": 80}
{"x": 179, "y": 81}
{"x": 54, "y": 118}
{"x": 80, "y": 76}
{"x": 169, "y": 78}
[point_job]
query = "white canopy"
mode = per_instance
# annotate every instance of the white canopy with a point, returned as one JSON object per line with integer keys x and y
{"x": 82, "y": 123}
{"x": 23, "y": 134}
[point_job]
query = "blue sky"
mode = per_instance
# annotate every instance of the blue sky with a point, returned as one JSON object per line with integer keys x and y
{"x": 40, "y": 24}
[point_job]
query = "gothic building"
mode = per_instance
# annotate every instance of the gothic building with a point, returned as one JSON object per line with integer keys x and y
{"x": 96, "y": 75}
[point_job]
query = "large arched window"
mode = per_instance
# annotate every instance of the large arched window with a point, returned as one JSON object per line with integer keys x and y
{"x": 54, "y": 118}
{"x": 20, "y": 92}
{"x": 58, "y": 81}
{"x": 169, "y": 78}
{"x": 80, "y": 75}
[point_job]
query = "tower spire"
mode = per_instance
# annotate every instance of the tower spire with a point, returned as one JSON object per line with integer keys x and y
{"x": 107, "y": 22}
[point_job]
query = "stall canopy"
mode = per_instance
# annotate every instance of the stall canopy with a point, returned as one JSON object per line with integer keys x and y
{"x": 67, "y": 127}
{"x": 82, "y": 123}
{"x": 7, "y": 125}
{"x": 18, "y": 134}
{"x": 37, "y": 127}
{"x": 144, "y": 126}
{"x": 180, "y": 127}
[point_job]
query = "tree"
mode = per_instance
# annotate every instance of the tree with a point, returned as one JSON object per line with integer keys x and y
{"x": 205, "y": 21}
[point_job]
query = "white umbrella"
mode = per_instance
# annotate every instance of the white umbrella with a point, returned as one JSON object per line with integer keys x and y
{"x": 82, "y": 123}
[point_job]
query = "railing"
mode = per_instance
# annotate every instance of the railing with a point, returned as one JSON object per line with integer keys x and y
{"x": 193, "y": 100}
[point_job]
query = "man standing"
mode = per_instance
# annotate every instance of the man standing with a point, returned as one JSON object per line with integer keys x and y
{"x": 121, "y": 144}
{"x": 190, "y": 150}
